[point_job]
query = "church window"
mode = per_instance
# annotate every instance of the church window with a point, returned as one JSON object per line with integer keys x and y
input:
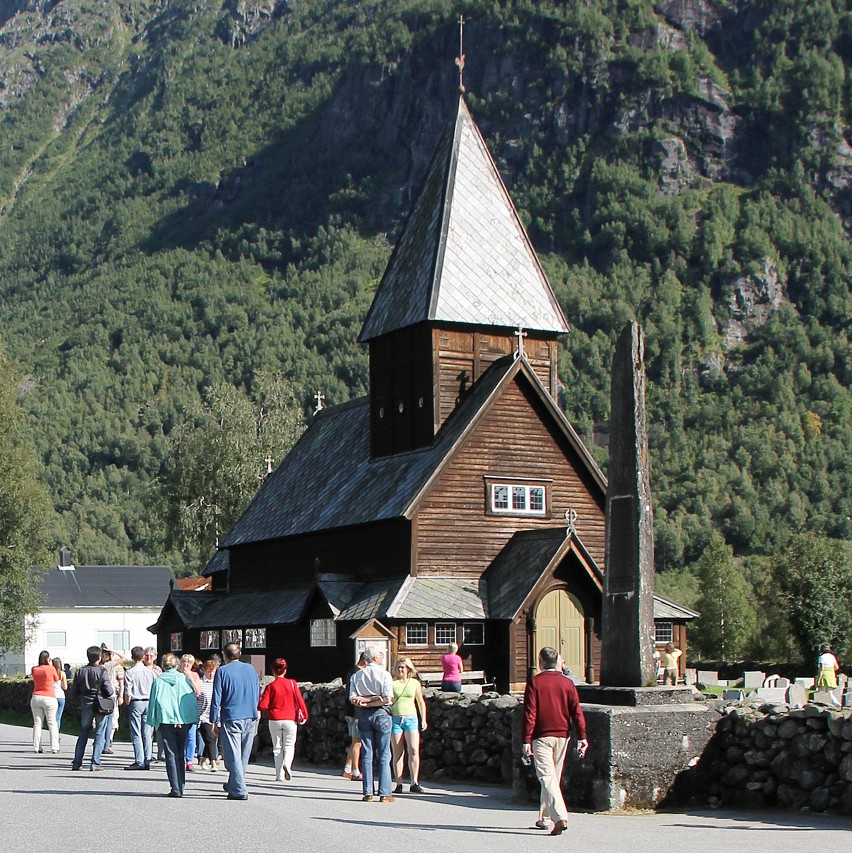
{"x": 474, "y": 634}
{"x": 416, "y": 634}
{"x": 255, "y": 638}
{"x": 323, "y": 632}
{"x": 663, "y": 632}
{"x": 445, "y": 633}
{"x": 516, "y": 498}
{"x": 209, "y": 640}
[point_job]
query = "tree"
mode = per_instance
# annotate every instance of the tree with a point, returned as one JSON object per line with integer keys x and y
{"x": 220, "y": 454}
{"x": 24, "y": 512}
{"x": 814, "y": 577}
{"x": 727, "y": 618}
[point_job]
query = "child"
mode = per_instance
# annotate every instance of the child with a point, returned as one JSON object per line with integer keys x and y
{"x": 670, "y": 667}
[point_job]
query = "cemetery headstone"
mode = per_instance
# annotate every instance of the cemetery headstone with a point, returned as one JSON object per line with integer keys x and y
{"x": 797, "y": 696}
{"x": 753, "y": 679}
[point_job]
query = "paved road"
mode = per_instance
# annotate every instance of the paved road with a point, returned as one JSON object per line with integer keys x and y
{"x": 46, "y": 807}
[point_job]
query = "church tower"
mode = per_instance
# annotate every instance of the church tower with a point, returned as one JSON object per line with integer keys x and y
{"x": 462, "y": 289}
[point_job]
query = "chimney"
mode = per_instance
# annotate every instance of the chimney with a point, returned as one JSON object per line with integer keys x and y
{"x": 65, "y": 564}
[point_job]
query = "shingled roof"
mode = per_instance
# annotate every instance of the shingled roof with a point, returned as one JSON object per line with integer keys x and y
{"x": 463, "y": 255}
{"x": 106, "y": 586}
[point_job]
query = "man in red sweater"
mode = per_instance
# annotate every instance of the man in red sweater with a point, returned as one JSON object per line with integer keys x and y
{"x": 551, "y": 705}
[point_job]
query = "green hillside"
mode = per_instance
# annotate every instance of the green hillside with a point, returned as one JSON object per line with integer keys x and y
{"x": 197, "y": 193}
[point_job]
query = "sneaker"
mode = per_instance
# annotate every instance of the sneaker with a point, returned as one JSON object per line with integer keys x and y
{"x": 416, "y": 789}
{"x": 190, "y": 767}
{"x": 398, "y": 789}
{"x": 106, "y": 751}
{"x": 387, "y": 800}
{"x": 541, "y": 823}
{"x": 366, "y": 799}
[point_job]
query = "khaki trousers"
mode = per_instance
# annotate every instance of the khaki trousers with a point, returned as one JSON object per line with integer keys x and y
{"x": 549, "y": 755}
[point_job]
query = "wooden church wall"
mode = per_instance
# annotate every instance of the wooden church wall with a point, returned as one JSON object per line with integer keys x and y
{"x": 368, "y": 553}
{"x": 456, "y": 536}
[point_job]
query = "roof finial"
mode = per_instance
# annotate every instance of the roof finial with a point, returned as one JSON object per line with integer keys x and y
{"x": 520, "y": 334}
{"x": 460, "y": 57}
{"x": 319, "y": 397}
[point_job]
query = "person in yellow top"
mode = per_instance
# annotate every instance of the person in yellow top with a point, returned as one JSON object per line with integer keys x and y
{"x": 669, "y": 660}
{"x": 408, "y": 703}
{"x": 827, "y": 667}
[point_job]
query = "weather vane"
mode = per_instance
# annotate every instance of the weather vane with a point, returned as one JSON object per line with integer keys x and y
{"x": 460, "y": 57}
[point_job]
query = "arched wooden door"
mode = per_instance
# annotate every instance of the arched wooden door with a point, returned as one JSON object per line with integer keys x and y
{"x": 560, "y": 623}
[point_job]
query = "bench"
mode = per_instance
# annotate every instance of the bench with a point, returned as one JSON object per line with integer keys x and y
{"x": 472, "y": 677}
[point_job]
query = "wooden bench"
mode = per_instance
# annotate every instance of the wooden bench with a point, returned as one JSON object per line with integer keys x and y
{"x": 473, "y": 676}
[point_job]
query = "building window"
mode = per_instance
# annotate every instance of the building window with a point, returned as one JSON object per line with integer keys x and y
{"x": 176, "y": 643}
{"x": 416, "y": 634}
{"x": 663, "y": 632}
{"x": 474, "y": 634}
{"x": 54, "y": 638}
{"x": 445, "y": 633}
{"x": 208, "y": 639}
{"x": 232, "y": 635}
{"x": 114, "y": 640}
{"x": 255, "y": 638}
{"x": 323, "y": 632}
{"x": 516, "y": 498}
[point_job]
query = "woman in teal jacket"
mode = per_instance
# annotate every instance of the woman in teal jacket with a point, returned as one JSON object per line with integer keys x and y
{"x": 173, "y": 710}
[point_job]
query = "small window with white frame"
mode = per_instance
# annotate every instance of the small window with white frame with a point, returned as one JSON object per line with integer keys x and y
{"x": 445, "y": 633}
{"x": 663, "y": 632}
{"x": 323, "y": 632}
{"x": 516, "y": 497}
{"x": 473, "y": 634}
{"x": 416, "y": 634}
{"x": 255, "y": 638}
{"x": 176, "y": 641}
{"x": 208, "y": 639}
{"x": 54, "y": 638}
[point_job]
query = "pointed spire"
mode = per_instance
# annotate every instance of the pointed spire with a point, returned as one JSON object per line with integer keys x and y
{"x": 464, "y": 256}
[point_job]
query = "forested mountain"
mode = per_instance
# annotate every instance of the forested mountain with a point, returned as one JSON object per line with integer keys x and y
{"x": 206, "y": 192}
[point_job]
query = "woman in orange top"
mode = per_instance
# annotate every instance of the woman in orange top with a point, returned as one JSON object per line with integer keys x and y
{"x": 283, "y": 699}
{"x": 44, "y": 702}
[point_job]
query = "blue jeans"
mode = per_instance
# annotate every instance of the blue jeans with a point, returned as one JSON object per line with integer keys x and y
{"x": 192, "y": 731}
{"x": 374, "y": 724}
{"x": 237, "y": 737}
{"x": 141, "y": 733}
{"x": 60, "y": 707}
{"x": 174, "y": 746}
{"x": 101, "y": 721}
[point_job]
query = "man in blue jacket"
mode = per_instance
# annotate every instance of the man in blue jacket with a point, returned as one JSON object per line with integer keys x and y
{"x": 233, "y": 711}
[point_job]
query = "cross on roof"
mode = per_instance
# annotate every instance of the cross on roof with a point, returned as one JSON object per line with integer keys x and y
{"x": 520, "y": 334}
{"x": 460, "y": 57}
{"x": 319, "y": 397}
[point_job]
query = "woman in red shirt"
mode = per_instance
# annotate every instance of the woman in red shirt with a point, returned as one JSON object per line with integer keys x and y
{"x": 44, "y": 703}
{"x": 283, "y": 700}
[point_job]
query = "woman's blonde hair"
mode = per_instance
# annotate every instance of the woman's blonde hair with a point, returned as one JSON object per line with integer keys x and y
{"x": 186, "y": 661}
{"x": 452, "y": 648}
{"x": 169, "y": 661}
{"x": 412, "y": 669}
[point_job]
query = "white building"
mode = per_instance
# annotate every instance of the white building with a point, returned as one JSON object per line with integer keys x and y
{"x": 89, "y": 605}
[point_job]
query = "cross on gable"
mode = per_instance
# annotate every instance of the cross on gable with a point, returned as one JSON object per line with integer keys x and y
{"x": 460, "y": 57}
{"x": 520, "y": 334}
{"x": 319, "y": 397}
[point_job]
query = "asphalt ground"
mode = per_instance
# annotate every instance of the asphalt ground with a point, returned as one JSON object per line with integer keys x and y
{"x": 46, "y": 807}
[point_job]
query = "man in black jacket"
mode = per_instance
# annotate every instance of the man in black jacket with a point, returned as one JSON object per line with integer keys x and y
{"x": 92, "y": 684}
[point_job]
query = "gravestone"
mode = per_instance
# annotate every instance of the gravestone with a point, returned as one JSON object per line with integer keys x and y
{"x": 773, "y": 695}
{"x": 797, "y": 696}
{"x": 827, "y": 697}
{"x": 707, "y": 677}
{"x": 847, "y": 699}
{"x": 782, "y": 682}
{"x": 628, "y": 602}
{"x": 733, "y": 695}
{"x": 690, "y": 676}
{"x": 807, "y": 683}
{"x": 753, "y": 679}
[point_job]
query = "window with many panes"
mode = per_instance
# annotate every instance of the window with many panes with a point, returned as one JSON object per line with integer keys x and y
{"x": 255, "y": 638}
{"x": 517, "y": 498}
{"x": 445, "y": 633}
{"x": 473, "y": 634}
{"x": 209, "y": 640}
{"x": 663, "y": 632}
{"x": 232, "y": 635}
{"x": 176, "y": 641}
{"x": 416, "y": 634}
{"x": 323, "y": 632}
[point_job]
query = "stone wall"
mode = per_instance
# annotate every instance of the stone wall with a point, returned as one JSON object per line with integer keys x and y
{"x": 771, "y": 756}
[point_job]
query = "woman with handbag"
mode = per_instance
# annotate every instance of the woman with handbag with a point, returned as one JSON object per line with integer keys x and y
{"x": 173, "y": 711}
{"x": 283, "y": 700}
{"x": 409, "y": 719}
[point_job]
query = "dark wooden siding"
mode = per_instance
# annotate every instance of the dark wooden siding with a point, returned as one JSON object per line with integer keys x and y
{"x": 456, "y": 536}
{"x": 367, "y": 553}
